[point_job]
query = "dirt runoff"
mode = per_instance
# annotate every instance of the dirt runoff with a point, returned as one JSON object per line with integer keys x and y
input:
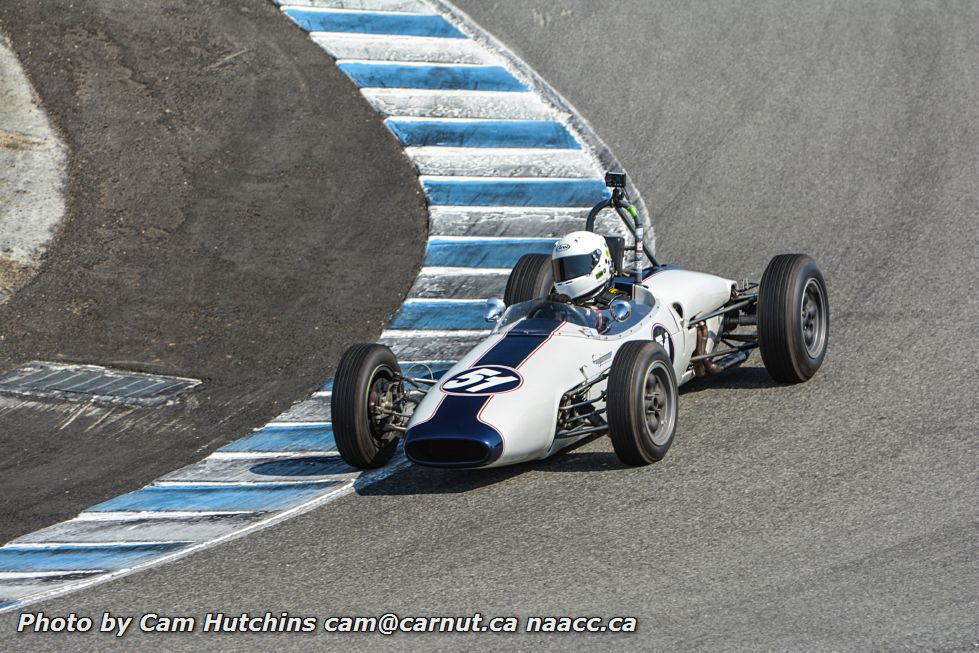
{"x": 236, "y": 213}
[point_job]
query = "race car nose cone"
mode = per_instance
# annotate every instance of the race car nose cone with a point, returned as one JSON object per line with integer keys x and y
{"x": 449, "y": 452}
{"x": 432, "y": 449}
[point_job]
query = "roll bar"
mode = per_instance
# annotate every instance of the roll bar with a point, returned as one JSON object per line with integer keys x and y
{"x": 626, "y": 212}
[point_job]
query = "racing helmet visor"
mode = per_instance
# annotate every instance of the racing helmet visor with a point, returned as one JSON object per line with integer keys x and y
{"x": 567, "y": 268}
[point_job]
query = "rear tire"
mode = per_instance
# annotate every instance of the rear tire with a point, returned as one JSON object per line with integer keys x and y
{"x": 642, "y": 403}
{"x": 793, "y": 318}
{"x": 531, "y": 277}
{"x": 365, "y": 370}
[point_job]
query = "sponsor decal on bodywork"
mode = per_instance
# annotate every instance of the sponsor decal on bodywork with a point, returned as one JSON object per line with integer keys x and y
{"x": 603, "y": 359}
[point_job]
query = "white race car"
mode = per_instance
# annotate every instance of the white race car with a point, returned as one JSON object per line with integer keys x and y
{"x": 552, "y": 372}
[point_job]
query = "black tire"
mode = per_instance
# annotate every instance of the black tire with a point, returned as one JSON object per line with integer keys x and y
{"x": 793, "y": 318}
{"x": 531, "y": 277}
{"x": 643, "y": 403}
{"x": 362, "y": 368}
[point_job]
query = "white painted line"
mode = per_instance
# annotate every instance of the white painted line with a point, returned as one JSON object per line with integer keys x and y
{"x": 502, "y": 162}
{"x": 455, "y": 271}
{"x": 248, "y": 455}
{"x": 428, "y": 103}
{"x": 322, "y": 393}
{"x": 375, "y": 48}
{"x": 433, "y": 300}
{"x": 305, "y": 411}
{"x": 321, "y": 9}
{"x": 235, "y": 484}
{"x": 24, "y": 589}
{"x": 429, "y": 334}
{"x": 515, "y": 221}
{"x": 483, "y": 239}
{"x": 409, "y": 64}
{"x": 41, "y": 546}
{"x": 462, "y": 120}
{"x": 294, "y": 469}
{"x": 27, "y": 575}
{"x": 439, "y": 283}
{"x": 406, "y": 6}
{"x": 424, "y": 178}
{"x": 195, "y": 529}
{"x": 283, "y": 425}
{"x": 476, "y": 213}
{"x": 120, "y": 515}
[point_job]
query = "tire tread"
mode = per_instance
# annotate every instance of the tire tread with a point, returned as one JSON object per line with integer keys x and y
{"x": 622, "y": 419}
{"x": 530, "y": 278}
{"x": 348, "y": 436}
{"x": 777, "y": 336}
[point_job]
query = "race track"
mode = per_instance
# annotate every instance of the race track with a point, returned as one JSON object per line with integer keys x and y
{"x": 835, "y": 515}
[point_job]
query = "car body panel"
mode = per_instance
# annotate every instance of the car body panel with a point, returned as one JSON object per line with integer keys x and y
{"x": 499, "y": 404}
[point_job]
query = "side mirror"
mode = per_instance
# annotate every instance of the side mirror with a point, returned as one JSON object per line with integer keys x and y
{"x": 620, "y": 310}
{"x": 494, "y": 309}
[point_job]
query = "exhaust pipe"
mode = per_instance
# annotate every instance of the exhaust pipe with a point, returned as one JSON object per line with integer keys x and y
{"x": 716, "y": 367}
{"x": 698, "y": 367}
{"x": 709, "y": 366}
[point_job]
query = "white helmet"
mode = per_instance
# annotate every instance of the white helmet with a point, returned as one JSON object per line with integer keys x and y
{"x": 582, "y": 265}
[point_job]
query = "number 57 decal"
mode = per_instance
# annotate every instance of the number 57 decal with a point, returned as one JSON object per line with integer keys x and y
{"x": 483, "y": 380}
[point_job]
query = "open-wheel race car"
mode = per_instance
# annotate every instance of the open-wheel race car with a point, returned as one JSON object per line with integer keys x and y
{"x": 556, "y": 369}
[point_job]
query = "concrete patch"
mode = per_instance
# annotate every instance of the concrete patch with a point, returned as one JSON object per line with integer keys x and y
{"x": 32, "y": 170}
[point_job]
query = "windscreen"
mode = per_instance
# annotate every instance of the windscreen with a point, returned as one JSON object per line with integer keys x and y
{"x": 543, "y": 315}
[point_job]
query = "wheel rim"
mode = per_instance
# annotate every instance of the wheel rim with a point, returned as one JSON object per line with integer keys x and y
{"x": 379, "y": 403}
{"x": 813, "y": 318}
{"x": 659, "y": 404}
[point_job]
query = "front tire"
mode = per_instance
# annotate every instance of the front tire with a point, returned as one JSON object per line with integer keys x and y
{"x": 365, "y": 374}
{"x": 642, "y": 403}
{"x": 793, "y": 318}
{"x": 531, "y": 277}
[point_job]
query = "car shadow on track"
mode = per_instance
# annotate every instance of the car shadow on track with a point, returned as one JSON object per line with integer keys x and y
{"x": 739, "y": 378}
{"x": 423, "y": 480}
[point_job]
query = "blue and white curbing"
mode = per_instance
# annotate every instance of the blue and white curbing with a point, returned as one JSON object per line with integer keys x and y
{"x": 507, "y": 166}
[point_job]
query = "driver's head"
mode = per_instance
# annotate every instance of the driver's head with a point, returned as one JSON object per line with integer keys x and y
{"x": 582, "y": 265}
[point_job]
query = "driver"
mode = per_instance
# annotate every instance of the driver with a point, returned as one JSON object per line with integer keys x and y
{"x": 583, "y": 273}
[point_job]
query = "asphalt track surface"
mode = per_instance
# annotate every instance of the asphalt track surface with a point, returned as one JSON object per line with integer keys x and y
{"x": 221, "y": 197}
{"x": 839, "y": 514}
